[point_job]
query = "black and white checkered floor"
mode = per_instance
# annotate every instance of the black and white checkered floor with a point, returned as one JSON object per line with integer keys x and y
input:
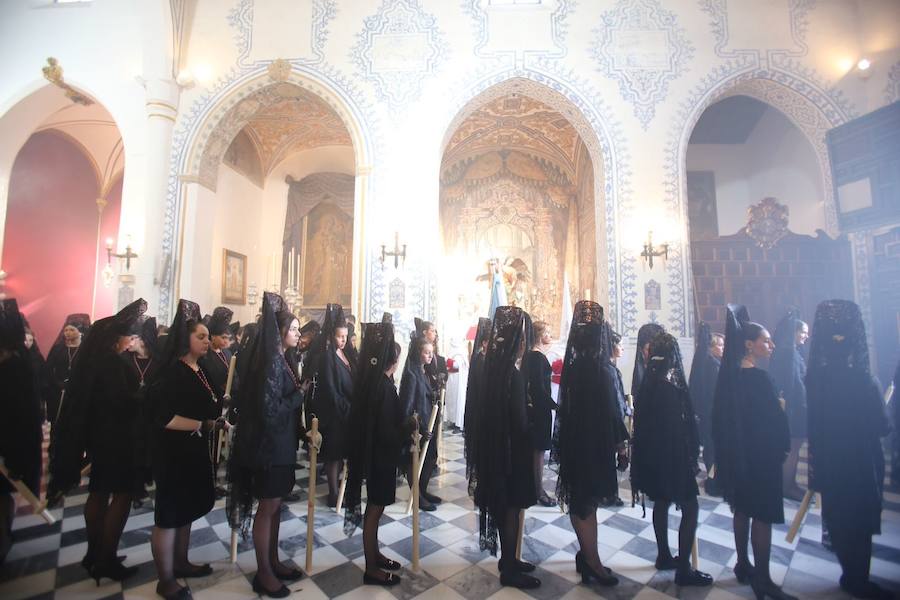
{"x": 45, "y": 560}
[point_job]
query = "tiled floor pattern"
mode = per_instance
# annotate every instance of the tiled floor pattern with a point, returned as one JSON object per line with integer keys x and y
{"x": 45, "y": 560}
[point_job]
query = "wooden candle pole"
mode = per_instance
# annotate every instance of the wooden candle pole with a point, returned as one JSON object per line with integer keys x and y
{"x": 420, "y": 462}
{"x": 798, "y": 518}
{"x": 521, "y": 534}
{"x": 36, "y": 505}
{"x": 221, "y": 439}
{"x": 342, "y": 489}
{"x": 315, "y": 442}
{"x": 695, "y": 555}
{"x": 414, "y": 493}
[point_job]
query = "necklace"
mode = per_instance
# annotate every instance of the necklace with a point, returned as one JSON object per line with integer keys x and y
{"x": 71, "y": 355}
{"x": 142, "y": 372}
{"x": 221, "y": 356}
{"x": 291, "y": 372}
{"x": 203, "y": 380}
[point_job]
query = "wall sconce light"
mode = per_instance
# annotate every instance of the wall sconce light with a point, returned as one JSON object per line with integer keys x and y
{"x": 128, "y": 255}
{"x": 252, "y": 294}
{"x": 649, "y": 252}
{"x": 397, "y": 252}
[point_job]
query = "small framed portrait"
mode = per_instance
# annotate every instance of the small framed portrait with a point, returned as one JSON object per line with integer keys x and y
{"x": 234, "y": 277}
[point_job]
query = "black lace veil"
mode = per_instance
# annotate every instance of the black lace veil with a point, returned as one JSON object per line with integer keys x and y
{"x": 473, "y": 388}
{"x": 838, "y": 337}
{"x": 647, "y": 332}
{"x": 377, "y": 351}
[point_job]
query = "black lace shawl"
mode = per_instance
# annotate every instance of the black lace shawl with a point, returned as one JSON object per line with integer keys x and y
{"x": 727, "y": 430}
{"x": 588, "y": 428}
{"x": 846, "y": 420}
{"x": 704, "y": 372}
{"x": 473, "y": 387}
{"x": 218, "y": 322}
{"x": 68, "y": 439}
{"x": 20, "y": 428}
{"x": 666, "y": 444}
{"x": 377, "y": 350}
{"x": 253, "y": 441}
{"x": 314, "y": 361}
{"x": 492, "y": 457}
{"x": 647, "y": 332}
{"x": 80, "y": 321}
{"x": 787, "y": 365}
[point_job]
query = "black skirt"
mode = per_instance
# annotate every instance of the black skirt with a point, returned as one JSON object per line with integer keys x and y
{"x": 381, "y": 485}
{"x": 275, "y": 482}
{"x": 184, "y": 490}
{"x": 111, "y": 475}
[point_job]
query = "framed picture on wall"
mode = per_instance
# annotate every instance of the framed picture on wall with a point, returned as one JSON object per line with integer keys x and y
{"x": 234, "y": 277}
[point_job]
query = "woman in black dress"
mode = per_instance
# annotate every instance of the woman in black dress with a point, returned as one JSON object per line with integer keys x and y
{"x": 332, "y": 367}
{"x": 540, "y": 404}
{"x": 751, "y": 435}
{"x": 379, "y": 430}
{"x": 60, "y": 359}
{"x": 261, "y": 466}
{"x": 647, "y": 332}
{"x": 97, "y": 417}
{"x": 474, "y": 386}
{"x": 184, "y": 413}
{"x": 846, "y": 423}
{"x": 144, "y": 360}
{"x": 664, "y": 457}
{"x": 702, "y": 385}
{"x": 788, "y": 370}
{"x": 20, "y": 428}
{"x": 589, "y": 436}
{"x": 504, "y": 464}
{"x": 416, "y": 397}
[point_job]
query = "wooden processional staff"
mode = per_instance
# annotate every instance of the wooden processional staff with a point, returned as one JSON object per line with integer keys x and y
{"x": 315, "y": 443}
{"x": 420, "y": 457}
{"x": 220, "y": 443}
{"x": 416, "y": 466}
{"x": 40, "y": 508}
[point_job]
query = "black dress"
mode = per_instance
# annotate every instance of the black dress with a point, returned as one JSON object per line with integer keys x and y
{"x": 20, "y": 427}
{"x": 182, "y": 468}
{"x": 764, "y": 442}
{"x": 702, "y": 386}
{"x": 381, "y": 482}
{"x": 520, "y": 484}
{"x": 788, "y": 369}
{"x": 332, "y": 405}
{"x": 58, "y": 368}
{"x": 112, "y": 413}
{"x": 273, "y": 467}
{"x": 215, "y": 364}
{"x": 665, "y": 444}
{"x": 540, "y": 401}
{"x": 846, "y": 423}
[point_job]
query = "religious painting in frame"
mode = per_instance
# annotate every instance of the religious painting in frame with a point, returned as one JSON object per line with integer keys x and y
{"x": 703, "y": 216}
{"x": 234, "y": 277}
{"x": 326, "y": 258}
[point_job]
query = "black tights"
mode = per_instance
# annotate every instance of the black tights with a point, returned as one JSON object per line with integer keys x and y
{"x": 761, "y": 534}
{"x": 509, "y": 536}
{"x": 333, "y": 472}
{"x": 539, "y": 473}
{"x": 266, "y": 524}
{"x": 370, "y": 540}
{"x": 170, "y": 553}
{"x": 586, "y": 531}
{"x": 686, "y": 531}
{"x": 105, "y": 520}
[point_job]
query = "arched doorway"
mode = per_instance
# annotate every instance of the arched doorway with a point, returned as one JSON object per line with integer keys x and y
{"x": 759, "y": 201}
{"x": 268, "y": 135}
{"x": 522, "y": 185}
{"x": 62, "y": 208}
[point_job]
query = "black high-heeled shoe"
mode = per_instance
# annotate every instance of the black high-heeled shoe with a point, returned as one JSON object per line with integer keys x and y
{"x": 666, "y": 564}
{"x": 199, "y": 571}
{"x": 515, "y": 565}
{"x": 606, "y": 578}
{"x": 117, "y": 572}
{"x": 517, "y": 579}
{"x": 743, "y": 572}
{"x": 391, "y": 580}
{"x": 292, "y": 575}
{"x": 87, "y": 562}
{"x": 282, "y": 592}
{"x": 183, "y": 593}
{"x": 767, "y": 588}
{"x": 692, "y": 577}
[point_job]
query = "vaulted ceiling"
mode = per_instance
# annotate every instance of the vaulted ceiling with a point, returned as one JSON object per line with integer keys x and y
{"x": 297, "y": 120}
{"x": 517, "y": 122}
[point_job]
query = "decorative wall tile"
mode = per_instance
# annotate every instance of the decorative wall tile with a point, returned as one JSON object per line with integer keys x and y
{"x": 639, "y": 44}
{"x": 398, "y": 47}
{"x": 241, "y": 20}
